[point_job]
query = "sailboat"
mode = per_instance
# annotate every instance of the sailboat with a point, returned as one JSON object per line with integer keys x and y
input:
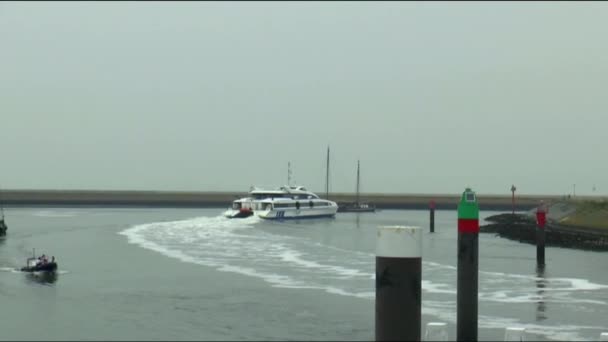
{"x": 3, "y": 227}
{"x": 357, "y": 206}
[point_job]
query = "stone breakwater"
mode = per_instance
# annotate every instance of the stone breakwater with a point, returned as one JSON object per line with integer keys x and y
{"x": 522, "y": 228}
{"x": 224, "y": 199}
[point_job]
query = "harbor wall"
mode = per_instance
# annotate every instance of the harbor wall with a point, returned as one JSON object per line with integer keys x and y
{"x": 170, "y": 199}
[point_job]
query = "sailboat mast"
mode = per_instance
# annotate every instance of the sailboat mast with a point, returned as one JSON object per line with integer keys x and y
{"x": 327, "y": 176}
{"x": 357, "y": 182}
{"x": 288, "y": 173}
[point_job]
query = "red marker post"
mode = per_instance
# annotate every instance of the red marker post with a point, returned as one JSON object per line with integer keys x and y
{"x": 513, "y": 188}
{"x": 541, "y": 221}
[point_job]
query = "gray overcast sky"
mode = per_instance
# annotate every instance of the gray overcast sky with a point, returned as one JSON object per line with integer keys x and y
{"x": 432, "y": 97}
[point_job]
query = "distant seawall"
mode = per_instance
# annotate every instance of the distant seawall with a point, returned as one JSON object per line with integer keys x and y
{"x": 174, "y": 199}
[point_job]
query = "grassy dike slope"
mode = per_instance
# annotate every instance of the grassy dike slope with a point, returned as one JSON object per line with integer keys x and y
{"x": 580, "y": 223}
{"x": 586, "y": 214}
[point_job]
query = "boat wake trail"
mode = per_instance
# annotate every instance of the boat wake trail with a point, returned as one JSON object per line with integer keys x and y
{"x": 286, "y": 261}
{"x": 18, "y": 270}
{"x": 234, "y": 246}
{"x": 54, "y": 213}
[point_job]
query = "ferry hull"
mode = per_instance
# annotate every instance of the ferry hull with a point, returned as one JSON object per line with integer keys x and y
{"x": 294, "y": 214}
{"x": 299, "y": 217}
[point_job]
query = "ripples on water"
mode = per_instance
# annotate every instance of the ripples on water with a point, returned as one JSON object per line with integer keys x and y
{"x": 298, "y": 263}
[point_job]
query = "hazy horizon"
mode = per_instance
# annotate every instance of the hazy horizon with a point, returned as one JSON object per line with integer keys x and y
{"x": 218, "y": 96}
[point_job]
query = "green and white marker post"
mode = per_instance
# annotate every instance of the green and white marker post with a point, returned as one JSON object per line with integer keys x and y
{"x": 468, "y": 264}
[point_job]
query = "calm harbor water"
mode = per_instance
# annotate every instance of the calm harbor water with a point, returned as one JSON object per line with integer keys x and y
{"x": 186, "y": 274}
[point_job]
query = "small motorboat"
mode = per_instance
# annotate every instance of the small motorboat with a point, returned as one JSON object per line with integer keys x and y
{"x": 40, "y": 267}
{"x": 34, "y": 264}
{"x": 3, "y": 227}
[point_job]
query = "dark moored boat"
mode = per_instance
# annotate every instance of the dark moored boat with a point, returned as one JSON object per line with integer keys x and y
{"x": 356, "y": 207}
{"x": 3, "y": 227}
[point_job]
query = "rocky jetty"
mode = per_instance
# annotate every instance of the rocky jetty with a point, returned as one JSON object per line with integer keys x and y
{"x": 522, "y": 228}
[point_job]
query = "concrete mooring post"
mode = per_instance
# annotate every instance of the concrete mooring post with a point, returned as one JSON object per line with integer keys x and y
{"x": 541, "y": 220}
{"x": 432, "y": 216}
{"x": 398, "y": 283}
{"x": 468, "y": 264}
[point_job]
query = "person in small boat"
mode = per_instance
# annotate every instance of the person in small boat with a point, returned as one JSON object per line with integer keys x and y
{"x": 42, "y": 260}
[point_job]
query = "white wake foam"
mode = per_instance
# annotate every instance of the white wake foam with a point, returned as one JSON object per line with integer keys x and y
{"x": 18, "y": 270}
{"x": 232, "y": 245}
{"x": 54, "y": 213}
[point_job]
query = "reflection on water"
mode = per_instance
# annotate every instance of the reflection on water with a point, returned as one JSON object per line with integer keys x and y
{"x": 541, "y": 283}
{"x": 44, "y": 278}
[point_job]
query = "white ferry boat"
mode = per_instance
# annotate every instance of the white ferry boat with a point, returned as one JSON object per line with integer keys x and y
{"x": 286, "y": 202}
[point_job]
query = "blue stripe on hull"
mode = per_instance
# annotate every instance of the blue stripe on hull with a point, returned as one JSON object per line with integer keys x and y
{"x": 299, "y": 217}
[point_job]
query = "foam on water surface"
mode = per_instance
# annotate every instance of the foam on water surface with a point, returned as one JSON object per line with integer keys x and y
{"x": 235, "y": 245}
{"x": 54, "y": 213}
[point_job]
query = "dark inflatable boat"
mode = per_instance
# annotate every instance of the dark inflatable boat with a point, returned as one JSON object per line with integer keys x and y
{"x": 40, "y": 264}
